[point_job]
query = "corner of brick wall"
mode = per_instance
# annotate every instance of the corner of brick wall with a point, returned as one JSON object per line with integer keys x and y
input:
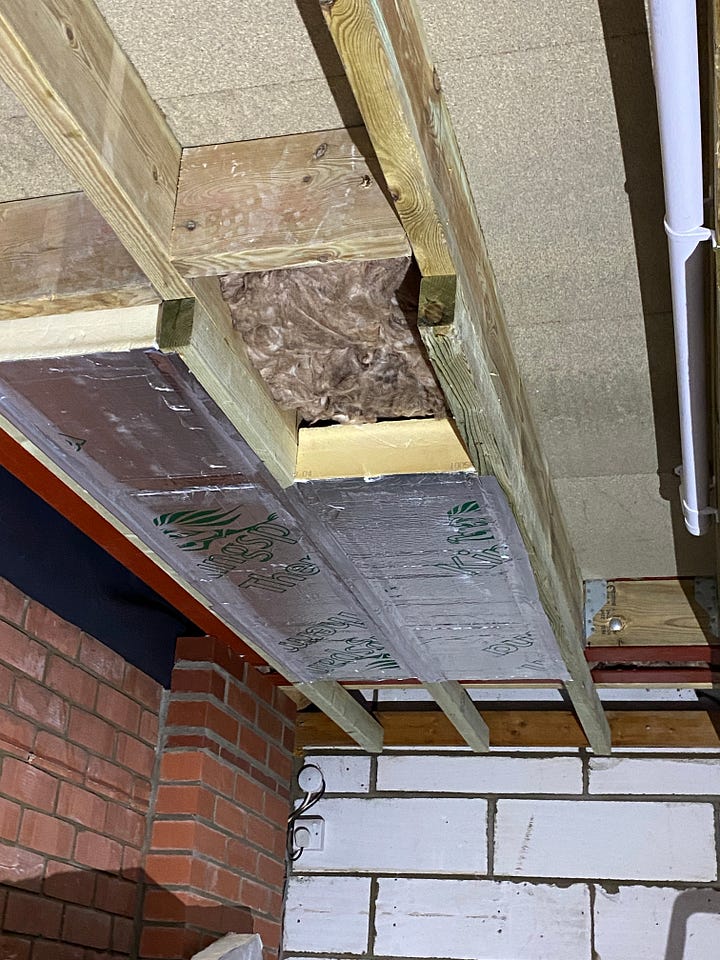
{"x": 78, "y": 738}
{"x": 216, "y": 858}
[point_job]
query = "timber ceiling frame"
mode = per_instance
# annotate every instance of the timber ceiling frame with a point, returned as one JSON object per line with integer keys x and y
{"x": 167, "y": 207}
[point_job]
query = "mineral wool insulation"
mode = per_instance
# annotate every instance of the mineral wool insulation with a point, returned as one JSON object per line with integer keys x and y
{"x": 337, "y": 341}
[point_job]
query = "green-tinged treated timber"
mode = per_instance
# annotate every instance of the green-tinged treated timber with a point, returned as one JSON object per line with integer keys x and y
{"x": 549, "y": 728}
{"x": 63, "y": 62}
{"x": 337, "y": 704}
{"x": 456, "y": 704}
{"x": 285, "y": 201}
{"x": 400, "y": 96}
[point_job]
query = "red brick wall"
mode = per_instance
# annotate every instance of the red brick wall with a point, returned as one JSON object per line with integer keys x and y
{"x": 218, "y": 837}
{"x": 78, "y": 736}
{"x": 101, "y": 844}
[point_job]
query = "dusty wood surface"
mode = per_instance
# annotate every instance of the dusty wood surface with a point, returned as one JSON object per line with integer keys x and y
{"x": 286, "y": 201}
{"x": 374, "y": 449}
{"x": 455, "y": 703}
{"x": 524, "y": 728}
{"x": 57, "y": 254}
{"x": 399, "y": 94}
{"x": 651, "y": 613}
{"x": 336, "y": 703}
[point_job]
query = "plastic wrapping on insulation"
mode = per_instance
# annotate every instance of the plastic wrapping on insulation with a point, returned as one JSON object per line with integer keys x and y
{"x": 421, "y": 576}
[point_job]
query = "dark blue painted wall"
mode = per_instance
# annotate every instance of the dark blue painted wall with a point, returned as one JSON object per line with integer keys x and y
{"x": 50, "y": 560}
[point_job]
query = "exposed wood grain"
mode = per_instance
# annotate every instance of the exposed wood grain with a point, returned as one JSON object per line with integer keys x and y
{"x": 524, "y": 728}
{"x": 651, "y": 613}
{"x": 281, "y": 202}
{"x": 376, "y": 449}
{"x": 61, "y": 60}
{"x": 462, "y": 713}
{"x": 340, "y": 706}
{"x": 399, "y": 94}
{"x": 57, "y": 254}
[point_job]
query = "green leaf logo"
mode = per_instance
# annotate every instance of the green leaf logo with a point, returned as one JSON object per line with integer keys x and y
{"x": 462, "y": 508}
{"x": 199, "y": 528}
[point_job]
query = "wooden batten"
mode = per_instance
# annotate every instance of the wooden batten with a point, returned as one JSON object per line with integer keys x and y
{"x": 399, "y": 94}
{"x": 286, "y": 201}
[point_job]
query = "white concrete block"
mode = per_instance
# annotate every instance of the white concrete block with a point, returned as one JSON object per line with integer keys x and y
{"x": 654, "y": 923}
{"x": 482, "y": 920}
{"x": 613, "y": 840}
{"x": 405, "y": 835}
{"x": 327, "y": 914}
{"x": 344, "y": 773}
{"x": 480, "y": 775}
{"x": 697, "y": 777}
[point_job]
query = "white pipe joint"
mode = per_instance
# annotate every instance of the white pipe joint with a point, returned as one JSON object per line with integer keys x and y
{"x": 673, "y": 37}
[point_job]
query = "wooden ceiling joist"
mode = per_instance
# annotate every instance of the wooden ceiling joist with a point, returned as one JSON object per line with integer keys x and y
{"x": 399, "y": 94}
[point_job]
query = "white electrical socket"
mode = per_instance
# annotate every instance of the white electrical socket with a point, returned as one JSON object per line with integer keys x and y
{"x": 309, "y": 833}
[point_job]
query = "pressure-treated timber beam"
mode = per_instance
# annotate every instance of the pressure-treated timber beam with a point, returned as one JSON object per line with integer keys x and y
{"x": 652, "y": 613}
{"x": 524, "y": 728}
{"x": 62, "y": 61}
{"x": 455, "y": 703}
{"x": 282, "y": 202}
{"x": 399, "y": 94}
{"x": 32, "y": 466}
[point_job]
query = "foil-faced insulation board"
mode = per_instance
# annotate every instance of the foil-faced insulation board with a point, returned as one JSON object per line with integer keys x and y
{"x": 418, "y": 576}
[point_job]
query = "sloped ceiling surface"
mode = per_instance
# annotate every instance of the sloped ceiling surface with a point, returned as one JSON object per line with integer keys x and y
{"x": 554, "y": 109}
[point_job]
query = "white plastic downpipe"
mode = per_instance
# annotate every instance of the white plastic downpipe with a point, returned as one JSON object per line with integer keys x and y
{"x": 673, "y": 39}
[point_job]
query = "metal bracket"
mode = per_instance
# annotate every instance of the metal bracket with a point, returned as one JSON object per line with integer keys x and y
{"x": 595, "y": 600}
{"x": 706, "y": 596}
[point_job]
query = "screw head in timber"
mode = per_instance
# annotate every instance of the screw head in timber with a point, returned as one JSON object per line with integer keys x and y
{"x": 190, "y": 225}
{"x": 616, "y": 624}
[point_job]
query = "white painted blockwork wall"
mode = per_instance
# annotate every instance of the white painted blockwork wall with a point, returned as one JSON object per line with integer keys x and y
{"x": 521, "y": 856}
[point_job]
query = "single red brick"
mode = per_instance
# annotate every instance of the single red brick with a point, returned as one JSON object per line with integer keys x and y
{"x": 14, "y": 948}
{"x": 24, "y": 782}
{"x": 207, "y": 681}
{"x": 231, "y": 817}
{"x": 194, "y": 800}
{"x": 182, "y": 765}
{"x": 201, "y": 713}
{"x": 131, "y": 865}
{"x": 173, "y": 835}
{"x": 210, "y": 843}
{"x": 264, "y": 835}
{"x": 141, "y": 795}
{"x": 180, "y": 906}
{"x": 9, "y": 819}
{"x": 284, "y": 705}
{"x": 20, "y": 651}
{"x": 91, "y": 732}
{"x": 101, "y": 660}
{"x": 242, "y": 701}
{"x": 201, "y": 649}
{"x": 219, "y": 776}
{"x": 255, "y": 896}
{"x": 215, "y": 879}
{"x": 71, "y": 682}
{"x": 20, "y": 868}
{"x": 65, "y": 882}
{"x": 269, "y": 723}
{"x": 280, "y": 763}
{"x": 141, "y": 687}
{"x": 12, "y": 602}
{"x": 240, "y": 856}
{"x": 288, "y": 739}
{"x": 114, "y": 895}
{"x": 101, "y": 853}
{"x": 40, "y": 704}
{"x": 268, "y": 781}
{"x": 275, "y": 809}
{"x": 118, "y": 709}
{"x": 123, "y": 935}
{"x": 16, "y": 735}
{"x": 259, "y": 684}
{"x": 87, "y": 927}
{"x": 269, "y": 931}
{"x": 250, "y": 794}
{"x": 46, "y": 834}
{"x": 124, "y": 824}
{"x": 52, "y": 950}
{"x": 253, "y": 744}
{"x": 271, "y": 871}
{"x": 191, "y": 741}
{"x": 158, "y": 943}
{"x": 58, "y": 633}
{"x": 107, "y": 777}
{"x": 149, "y": 727}
{"x": 6, "y": 682}
{"x": 133, "y": 753}
{"x": 163, "y": 869}
{"x": 238, "y": 919}
{"x": 26, "y": 913}
{"x": 59, "y": 757}
{"x": 82, "y": 806}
